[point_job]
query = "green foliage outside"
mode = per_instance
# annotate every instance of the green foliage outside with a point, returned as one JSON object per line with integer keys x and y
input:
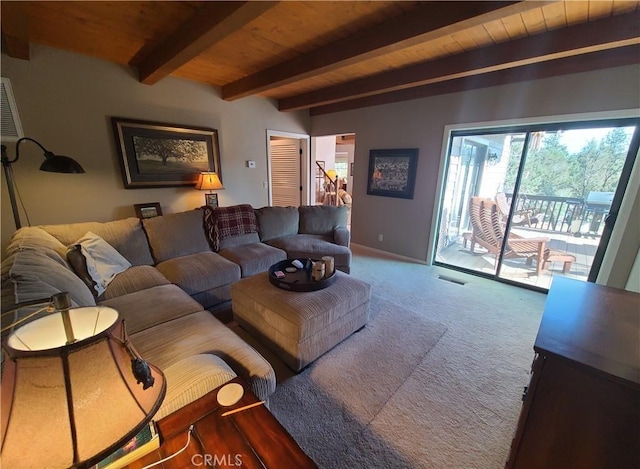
{"x": 550, "y": 170}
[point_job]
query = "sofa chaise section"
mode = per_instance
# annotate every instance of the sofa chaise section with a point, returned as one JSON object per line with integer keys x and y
{"x": 201, "y": 333}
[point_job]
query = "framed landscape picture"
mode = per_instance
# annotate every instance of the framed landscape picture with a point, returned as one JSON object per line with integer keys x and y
{"x": 153, "y": 154}
{"x": 392, "y": 173}
{"x": 149, "y": 210}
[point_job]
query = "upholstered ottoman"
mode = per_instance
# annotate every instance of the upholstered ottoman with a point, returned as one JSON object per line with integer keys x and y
{"x": 300, "y": 326}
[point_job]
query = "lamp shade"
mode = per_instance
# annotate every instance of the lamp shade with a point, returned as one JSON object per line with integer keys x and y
{"x": 69, "y": 405}
{"x": 332, "y": 174}
{"x": 209, "y": 182}
{"x": 60, "y": 164}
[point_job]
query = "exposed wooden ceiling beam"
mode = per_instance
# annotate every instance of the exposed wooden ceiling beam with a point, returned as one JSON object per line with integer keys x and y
{"x": 213, "y": 22}
{"x": 617, "y": 31}
{"x": 580, "y": 63}
{"x": 430, "y": 21}
{"x": 15, "y": 29}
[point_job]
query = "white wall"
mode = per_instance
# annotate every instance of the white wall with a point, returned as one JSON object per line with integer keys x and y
{"x": 324, "y": 149}
{"x": 621, "y": 263}
{"x": 633, "y": 282}
{"x": 406, "y": 224}
{"x": 65, "y": 101}
{"x": 349, "y": 149}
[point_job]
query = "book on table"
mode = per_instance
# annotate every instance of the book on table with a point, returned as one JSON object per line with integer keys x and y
{"x": 142, "y": 444}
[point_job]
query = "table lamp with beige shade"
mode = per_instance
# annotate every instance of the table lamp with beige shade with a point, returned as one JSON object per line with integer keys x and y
{"x": 208, "y": 181}
{"x": 74, "y": 389}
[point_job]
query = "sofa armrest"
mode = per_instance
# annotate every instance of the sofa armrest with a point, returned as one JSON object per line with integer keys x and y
{"x": 342, "y": 236}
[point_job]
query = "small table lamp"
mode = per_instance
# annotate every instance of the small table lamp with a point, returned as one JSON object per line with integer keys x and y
{"x": 209, "y": 182}
{"x": 69, "y": 394}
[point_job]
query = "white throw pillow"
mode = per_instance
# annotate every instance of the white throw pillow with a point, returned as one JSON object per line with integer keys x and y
{"x": 104, "y": 262}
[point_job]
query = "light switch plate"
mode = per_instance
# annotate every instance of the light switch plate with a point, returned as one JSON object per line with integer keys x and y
{"x": 251, "y": 164}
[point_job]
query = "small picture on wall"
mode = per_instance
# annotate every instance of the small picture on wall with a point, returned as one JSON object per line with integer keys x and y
{"x": 211, "y": 199}
{"x": 149, "y": 210}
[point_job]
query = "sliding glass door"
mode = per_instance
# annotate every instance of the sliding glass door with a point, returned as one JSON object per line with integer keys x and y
{"x": 526, "y": 203}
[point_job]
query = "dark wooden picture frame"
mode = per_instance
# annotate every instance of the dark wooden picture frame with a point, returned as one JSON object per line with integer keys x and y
{"x": 211, "y": 199}
{"x": 149, "y": 210}
{"x": 153, "y": 154}
{"x": 392, "y": 173}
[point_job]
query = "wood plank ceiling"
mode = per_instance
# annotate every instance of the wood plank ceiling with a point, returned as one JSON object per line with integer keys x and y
{"x": 332, "y": 56}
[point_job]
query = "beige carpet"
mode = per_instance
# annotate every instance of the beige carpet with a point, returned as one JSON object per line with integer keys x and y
{"x": 433, "y": 381}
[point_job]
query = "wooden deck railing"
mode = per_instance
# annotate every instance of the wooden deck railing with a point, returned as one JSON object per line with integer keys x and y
{"x": 563, "y": 214}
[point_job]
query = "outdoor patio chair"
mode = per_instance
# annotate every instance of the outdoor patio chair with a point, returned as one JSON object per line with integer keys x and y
{"x": 520, "y": 217}
{"x": 488, "y": 232}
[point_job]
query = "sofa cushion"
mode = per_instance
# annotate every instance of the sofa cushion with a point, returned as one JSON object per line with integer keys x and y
{"x": 222, "y": 223}
{"x": 176, "y": 235}
{"x": 253, "y": 258}
{"x": 126, "y": 236}
{"x": 275, "y": 222}
{"x": 156, "y": 305}
{"x": 36, "y": 239}
{"x": 190, "y": 379}
{"x": 239, "y": 240}
{"x": 199, "y": 272}
{"x": 322, "y": 219}
{"x": 103, "y": 262}
{"x": 136, "y": 278}
{"x": 32, "y": 275}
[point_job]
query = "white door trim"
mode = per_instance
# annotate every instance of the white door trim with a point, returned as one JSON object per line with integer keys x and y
{"x": 305, "y": 168}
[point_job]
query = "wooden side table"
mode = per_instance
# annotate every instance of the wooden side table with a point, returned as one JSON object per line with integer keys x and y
{"x": 250, "y": 438}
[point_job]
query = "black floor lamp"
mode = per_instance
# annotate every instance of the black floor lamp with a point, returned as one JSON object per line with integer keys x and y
{"x": 52, "y": 163}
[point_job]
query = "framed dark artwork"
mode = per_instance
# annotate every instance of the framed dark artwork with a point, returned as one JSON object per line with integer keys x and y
{"x": 149, "y": 210}
{"x": 152, "y": 154}
{"x": 392, "y": 173}
{"x": 211, "y": 199}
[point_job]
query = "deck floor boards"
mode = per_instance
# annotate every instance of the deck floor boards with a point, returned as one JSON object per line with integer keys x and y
{"x": 583, "y": 248}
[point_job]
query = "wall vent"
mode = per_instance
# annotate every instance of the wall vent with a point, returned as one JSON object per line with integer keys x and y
{"x": 10, "y": 126}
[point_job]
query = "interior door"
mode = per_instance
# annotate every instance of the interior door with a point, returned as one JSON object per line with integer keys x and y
{"x": 286, "y": 161}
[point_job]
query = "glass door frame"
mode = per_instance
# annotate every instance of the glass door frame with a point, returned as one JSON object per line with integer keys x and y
{"x": 529, "y": 127}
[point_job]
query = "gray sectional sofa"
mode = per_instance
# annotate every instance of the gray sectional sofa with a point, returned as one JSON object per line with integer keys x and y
{"x": 180, "y": 270}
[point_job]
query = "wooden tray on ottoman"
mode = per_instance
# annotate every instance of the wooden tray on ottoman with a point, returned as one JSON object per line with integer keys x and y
{"x": 301, "y": 279}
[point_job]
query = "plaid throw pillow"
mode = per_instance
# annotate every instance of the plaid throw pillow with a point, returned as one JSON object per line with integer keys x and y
{"x": 225, "y": 222}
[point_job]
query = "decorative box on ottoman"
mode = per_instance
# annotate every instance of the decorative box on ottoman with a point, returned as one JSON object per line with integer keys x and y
{"x": 300, "y": 326}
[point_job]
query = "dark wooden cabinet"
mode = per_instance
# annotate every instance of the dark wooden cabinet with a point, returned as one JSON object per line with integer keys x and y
{"x": 582, "y": 406}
